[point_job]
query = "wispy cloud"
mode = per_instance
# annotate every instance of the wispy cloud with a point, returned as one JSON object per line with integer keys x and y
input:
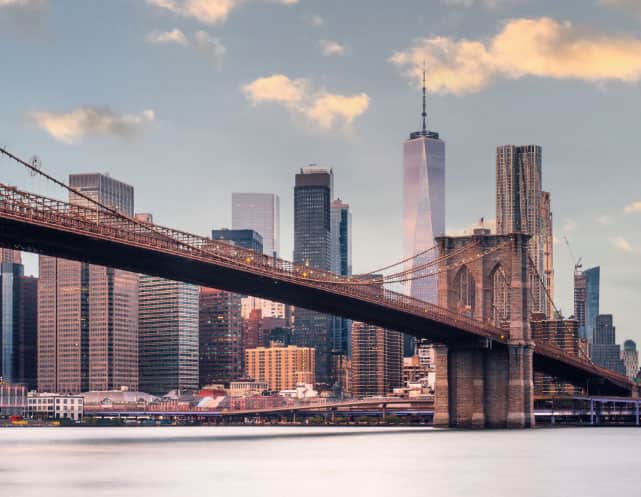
{"x": 317, "y": 21}
{"x": 329, "y": 47}
{"x": 541, "y": 47}
{"x": 207, "y": 11}
{"x": 605, "y": 220}
{"x": 209, "y": 47}
{"x": 175, "y": 36}
{"x": 70, "y": 127}
{"x": 622, "y": 244}
{"x": 321, "y": 107}
{"x": 634, "y": 207}
{"x": 23, "y": 13}
{"x": 488, "y": 4}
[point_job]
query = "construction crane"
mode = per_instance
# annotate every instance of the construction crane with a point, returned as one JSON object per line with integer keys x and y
{"x": 577, "y": 262}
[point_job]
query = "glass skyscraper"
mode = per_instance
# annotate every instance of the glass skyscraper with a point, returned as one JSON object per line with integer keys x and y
{"x": 423, "y": 202}
{"x": 259, "y": 212}
{"x": 586, "y": 301}
{"x": 88, "y": 314}
{"x": 245, "y": 238}
{"x": 341, "y": 240}
{"x": 312, "y": 247}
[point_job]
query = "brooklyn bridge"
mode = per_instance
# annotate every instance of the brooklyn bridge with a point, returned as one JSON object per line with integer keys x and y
{"x": 486, "y": 353}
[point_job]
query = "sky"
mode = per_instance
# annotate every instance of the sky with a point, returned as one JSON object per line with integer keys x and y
{"x": 191, "y": 100}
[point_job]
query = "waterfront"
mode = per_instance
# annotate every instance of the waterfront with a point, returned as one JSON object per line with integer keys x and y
{"x": 320, "y": 461}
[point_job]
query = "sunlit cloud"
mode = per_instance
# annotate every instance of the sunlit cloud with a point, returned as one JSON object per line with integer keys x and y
{"x": 321, "y": 107}
{"x": 23, "y": 13}
{"x": 634, "y": 207}
{"x": 209, "y": 47}
{"x": 70, "y": 127}
{"x": 329, "y": 47}
{"x": 207, "y": 11}
{"x": 175, "y": 36}
{"x": 488, "y": 4}
{"x": 541, "y": 47}
{"x": 622, "y": 244}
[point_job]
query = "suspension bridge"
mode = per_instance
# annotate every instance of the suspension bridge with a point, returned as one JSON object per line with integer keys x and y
{"x": 486, "y": 357}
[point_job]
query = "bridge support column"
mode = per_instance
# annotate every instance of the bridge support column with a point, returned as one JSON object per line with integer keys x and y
{"x": 467, "y": 388}
{"x": 441, "y": 389}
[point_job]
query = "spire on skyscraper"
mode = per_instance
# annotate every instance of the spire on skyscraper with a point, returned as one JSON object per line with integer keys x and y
{"x": 424, "y": 114}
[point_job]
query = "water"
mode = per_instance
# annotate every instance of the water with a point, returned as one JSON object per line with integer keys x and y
{"x": 310, "y": 462}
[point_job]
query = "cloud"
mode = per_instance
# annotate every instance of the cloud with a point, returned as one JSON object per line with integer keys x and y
{"x": 627, "y": 5}
{"x": 23, "y": 13}
{"x": 329, "y": 47}
{"x": 317, "y": 21}
{"x": 207, "y": 11}
{"x": 541, "y": 47}
{"x": 622, "y": 244}
{"x": 167, "y": 37}
{"x": 209, "y": 47}
{"x": 323, "y": 108}
{"x": 488, "y": 4}
{"x": 69, "y": 127}
{"x": 605, "y": 220}
{"x": 633, "y": 207}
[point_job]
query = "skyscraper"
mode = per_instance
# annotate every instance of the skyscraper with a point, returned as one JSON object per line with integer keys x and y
{"x": 604, "y": 350}
{"x": 377, "y": 360}
{"x": 548, "y": 251}
{"x": 259, "y": 212}
{"x": 423, "y": 201}
{"x": 312, "y": 247}
{"x": 630, "y": 358}
{"x": 220, "y": 334}
{"x": 88, "y": 314}
{"x": 168, "y": 323}
{"x": 18, "y": 331}
{"x": 520, "y": 209}
{"x": 586, "y": 301}
{"x": 245, "y": 238}
{"x": 341, "y": 248}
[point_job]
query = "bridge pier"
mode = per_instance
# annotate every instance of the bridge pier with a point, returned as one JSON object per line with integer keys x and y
{"x": 484, "y": 387}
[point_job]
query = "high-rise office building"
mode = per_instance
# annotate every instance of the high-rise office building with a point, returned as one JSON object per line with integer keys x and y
{"x": 281, "y": 367}
{"x": 377, "y": 360}
{"x": 547, "y": 235}
{"x": 312, "y": 247}
{"x": 423, "y": 202}
{"x": 259, "y": 212}
{"x": 168, "y": 324}
{"x": 341, "y": 249}
{"x": 630, "y": 358}
{"x": 604, "y": 350}
{"x": 586, "y": 301}
{"x": 88, "y": 314}
{"x": 18, "y": 330}
{"x": 521, "y": 207}
{"x": 245, "y": 238}
{"x": 220, "y": 336}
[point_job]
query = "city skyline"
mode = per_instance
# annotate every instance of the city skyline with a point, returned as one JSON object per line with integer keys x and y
{"x": 603, "y": 234}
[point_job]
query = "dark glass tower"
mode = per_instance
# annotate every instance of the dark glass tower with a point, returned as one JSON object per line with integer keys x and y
{"x": 312, "y": 247}
{"x": 341, "y": 230}
{"x": 244, "y": 238}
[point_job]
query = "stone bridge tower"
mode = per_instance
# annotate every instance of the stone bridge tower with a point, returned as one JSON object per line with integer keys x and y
{"x": 489, "y": 383}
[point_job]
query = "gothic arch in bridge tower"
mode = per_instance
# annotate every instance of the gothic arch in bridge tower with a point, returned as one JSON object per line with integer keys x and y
{"x": 499, "y": 293}
{"x": 465, "y": 290}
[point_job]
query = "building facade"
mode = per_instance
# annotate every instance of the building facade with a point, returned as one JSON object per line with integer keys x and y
{"x": 244, "y": 238}
{"x": 18, "y": 328}
{"x": 604, "y": 350}
{"x": 630, "y": 358}
{"x": 312, "y": 247}
{"x": 282, "y": 368}
{"x": 220, "y": 337}
{"x": 168, "y": 324}
{"x": 377, "y": 360}
{"x": 341, "y": 250}
{"x": 54, "y": 406}
{"x": 522, "y": 207}
{"x": 88, "y": 314}
{"x": 547, "y": 234}
{"x": 259, "y": 212}
{"x": 586, "y": 301}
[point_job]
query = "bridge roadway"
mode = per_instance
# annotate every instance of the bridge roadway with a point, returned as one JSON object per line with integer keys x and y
{"x": 42, "y": 225}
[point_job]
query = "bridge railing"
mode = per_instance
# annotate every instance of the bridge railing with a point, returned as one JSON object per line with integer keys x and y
{"x": 101, "y": 223}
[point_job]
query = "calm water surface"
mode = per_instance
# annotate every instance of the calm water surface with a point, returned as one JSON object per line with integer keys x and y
{"x": 310, "y": 462}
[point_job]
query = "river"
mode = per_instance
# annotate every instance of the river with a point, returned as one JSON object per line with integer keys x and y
{"x": 318, "y": 461}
